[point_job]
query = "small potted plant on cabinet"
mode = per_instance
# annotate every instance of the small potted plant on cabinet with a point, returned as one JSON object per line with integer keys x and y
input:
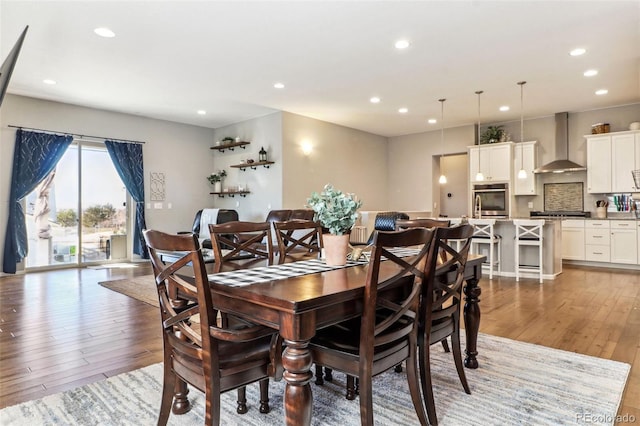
{"x": 216, "y": 180}
{"x": 337, "y": 212}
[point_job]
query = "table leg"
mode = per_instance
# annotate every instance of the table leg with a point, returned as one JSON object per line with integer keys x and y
{"x": 471, "y": 321}
{"x": 296, "y": 361}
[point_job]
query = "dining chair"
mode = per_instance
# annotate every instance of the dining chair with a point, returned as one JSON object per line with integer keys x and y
{"x": 424, "y": 223}
{"x": 298, "y": 240}
{"x": 241, "y": 245}
{"x": 440, "y": 306}
{"x": 197, "y": 351}
{"x": 386, "y": 333}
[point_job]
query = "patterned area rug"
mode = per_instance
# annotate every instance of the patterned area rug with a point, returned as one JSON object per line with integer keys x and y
{"x": 517, "y": 384}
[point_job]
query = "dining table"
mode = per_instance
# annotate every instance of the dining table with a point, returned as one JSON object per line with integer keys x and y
{"x": 298, "y": 298}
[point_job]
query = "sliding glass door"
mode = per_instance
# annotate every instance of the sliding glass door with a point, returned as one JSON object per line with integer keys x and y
{"x": 78, "y": 215}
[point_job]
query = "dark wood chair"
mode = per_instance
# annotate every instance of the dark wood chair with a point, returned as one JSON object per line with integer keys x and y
{"x": 440, "y": 306}
{"x": 297, "y": 240}
{"x": 386, "y": 334}
{"x": 241, "y": 245}
{"x": 200, "y": 353}
{"x": 303, "y": 214}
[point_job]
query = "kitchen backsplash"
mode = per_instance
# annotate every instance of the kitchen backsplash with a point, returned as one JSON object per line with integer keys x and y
{"x": 563, "y": 197}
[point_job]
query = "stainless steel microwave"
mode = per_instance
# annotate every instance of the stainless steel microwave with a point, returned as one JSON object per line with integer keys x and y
{"x": 490, "y": 200}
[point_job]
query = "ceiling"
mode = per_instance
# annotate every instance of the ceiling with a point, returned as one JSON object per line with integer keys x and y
{"x": 172, "y": 58}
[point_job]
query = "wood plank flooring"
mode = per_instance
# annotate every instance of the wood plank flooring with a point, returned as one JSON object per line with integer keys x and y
{"x": 60, "y": 329}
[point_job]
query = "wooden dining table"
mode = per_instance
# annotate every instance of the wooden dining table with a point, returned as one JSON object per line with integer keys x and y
{"x": 297, "y": 306}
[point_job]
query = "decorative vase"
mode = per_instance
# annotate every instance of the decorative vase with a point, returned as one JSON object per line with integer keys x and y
{"x": 335, "y": 249}
{"x": 217, "y": 186}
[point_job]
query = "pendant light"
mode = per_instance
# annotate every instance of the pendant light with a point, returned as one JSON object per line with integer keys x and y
{"x": 479, "y": 176}
{"x": 443, "y": 178}
{"x": 522, "y": 174}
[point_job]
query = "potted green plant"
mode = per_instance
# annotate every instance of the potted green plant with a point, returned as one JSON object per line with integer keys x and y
{"x": 337, "y": 212}
{"x": 493, "y": 134}
{"x": 216, "y": 180}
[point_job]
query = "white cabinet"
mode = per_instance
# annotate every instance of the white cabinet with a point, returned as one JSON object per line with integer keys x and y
{"x": 623, "y": 160}
{"x": 599, "y": 164}
{"x": 525, "y": 156}
{"x": 638, "y": 246}
{"x": 493, "y": 160}
{"x": 624, "y": 247}
{"x": 610, "y": 160}
{"x": 597, "y": 241}
{"x": 573, "y": 246}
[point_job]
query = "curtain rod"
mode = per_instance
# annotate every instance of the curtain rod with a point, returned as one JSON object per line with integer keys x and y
{"x": 75, "y": 134}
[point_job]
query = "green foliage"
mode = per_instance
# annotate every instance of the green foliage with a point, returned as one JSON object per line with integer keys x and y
{"x": 67, "y": 217}
{"x": 217, "y": 177}
{"x": 493, "y": 134}
{"x": 334, "y": 209}
{"x": 96, "y": 215}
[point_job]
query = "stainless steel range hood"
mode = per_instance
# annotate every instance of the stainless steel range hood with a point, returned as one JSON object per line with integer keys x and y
{"x": 562, "y": 164}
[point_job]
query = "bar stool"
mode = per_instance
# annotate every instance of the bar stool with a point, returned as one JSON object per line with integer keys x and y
{"x": 484, "y": 234}
{"x": 528, "y": 233}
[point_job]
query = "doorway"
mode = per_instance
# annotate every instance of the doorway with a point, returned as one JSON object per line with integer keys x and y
{"x": 454, "y": 195}
{"x": 78, "y": 215}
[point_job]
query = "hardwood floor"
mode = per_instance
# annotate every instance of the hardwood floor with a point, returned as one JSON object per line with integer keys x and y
{"x": 60, "y": 330}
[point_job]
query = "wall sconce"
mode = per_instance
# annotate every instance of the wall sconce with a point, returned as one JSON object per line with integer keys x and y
{"x": 307, "y": 147}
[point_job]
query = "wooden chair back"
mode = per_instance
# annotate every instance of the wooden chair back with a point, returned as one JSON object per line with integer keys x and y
{"x": 441, "y": 302}
{"x": 241, "y": 245}
{"x": 388, "y": 327}
{"x": 194, "y": 349}
{"x": 298, "y": 239}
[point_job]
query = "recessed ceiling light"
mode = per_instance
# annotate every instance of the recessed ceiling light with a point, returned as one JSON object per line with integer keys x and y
{"x": 577, "y": 52}
{"x": 504, "y": 108}
{"x": 49, "y": 81}
{"x": 403, "y": 110}
{"x": 104, "y": 32}
{"x": 432, "y": 121}
{"x": 375, "y": 100}
{"x": 402, "y": 44}
{"x": 590, "y": 73}
{"x": 279, "y": 85}
{"x": 202, "y": 112}
{"x": 602, "y": 92}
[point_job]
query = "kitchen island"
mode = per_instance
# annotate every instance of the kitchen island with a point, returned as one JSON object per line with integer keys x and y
{"x": 551, "y": 250}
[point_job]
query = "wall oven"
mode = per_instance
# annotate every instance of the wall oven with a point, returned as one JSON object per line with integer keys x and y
{"x": 490, "y": 200}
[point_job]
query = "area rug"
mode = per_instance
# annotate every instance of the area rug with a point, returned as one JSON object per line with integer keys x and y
{"x": 517, "y": 384}
{"x": 141, "y": 288}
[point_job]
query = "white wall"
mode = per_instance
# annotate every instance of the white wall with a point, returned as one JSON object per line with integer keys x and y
{"x": 265, "y": 184}
{"x": 351, "y": 160}
{"x": 177, "y": 150}
{"x": 411, "y": 168}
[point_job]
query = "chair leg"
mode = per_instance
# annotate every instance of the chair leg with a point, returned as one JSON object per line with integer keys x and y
{"x": 319, "y": 379}
{"x": 445, "y": 345}
{"x": 351, "y": 387}
{"x": 457, "y": 358}
{"x": 264, "y": 396}
{"x": 242, "y": 400}
{"x": 540, "y": 256}
{"x": 491, "y": 264}
{"x": 328, "y": 374}
{"x": 414, "y": 386}
{"x": 168, "y": 386}
{"x": 398, "y": 368}
{"x": 366, "y": 400}
{"x": 517, "y": 260}
{"x": 425, "y": 381}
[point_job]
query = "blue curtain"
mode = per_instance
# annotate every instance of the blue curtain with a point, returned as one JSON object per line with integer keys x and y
{"x": 35, "y": 155}
{"x": 127, "y": 158}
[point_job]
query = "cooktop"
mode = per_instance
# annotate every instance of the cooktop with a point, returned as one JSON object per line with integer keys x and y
{"x": 559, "y": 214}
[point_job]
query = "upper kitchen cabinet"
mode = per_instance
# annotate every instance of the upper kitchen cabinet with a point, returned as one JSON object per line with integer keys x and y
{"x": 493, "y": 160}
{"x": 599, "y": 164}
{"x": 610, "y": 159}
{"x": 525, "y": 156}
{"x": 625, "y": 156}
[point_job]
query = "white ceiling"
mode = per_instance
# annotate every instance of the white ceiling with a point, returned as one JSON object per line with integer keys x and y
{"x": 170, "y": 59}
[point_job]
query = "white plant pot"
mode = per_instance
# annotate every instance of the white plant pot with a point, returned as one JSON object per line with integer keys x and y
{"x": 217, "y": 186}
